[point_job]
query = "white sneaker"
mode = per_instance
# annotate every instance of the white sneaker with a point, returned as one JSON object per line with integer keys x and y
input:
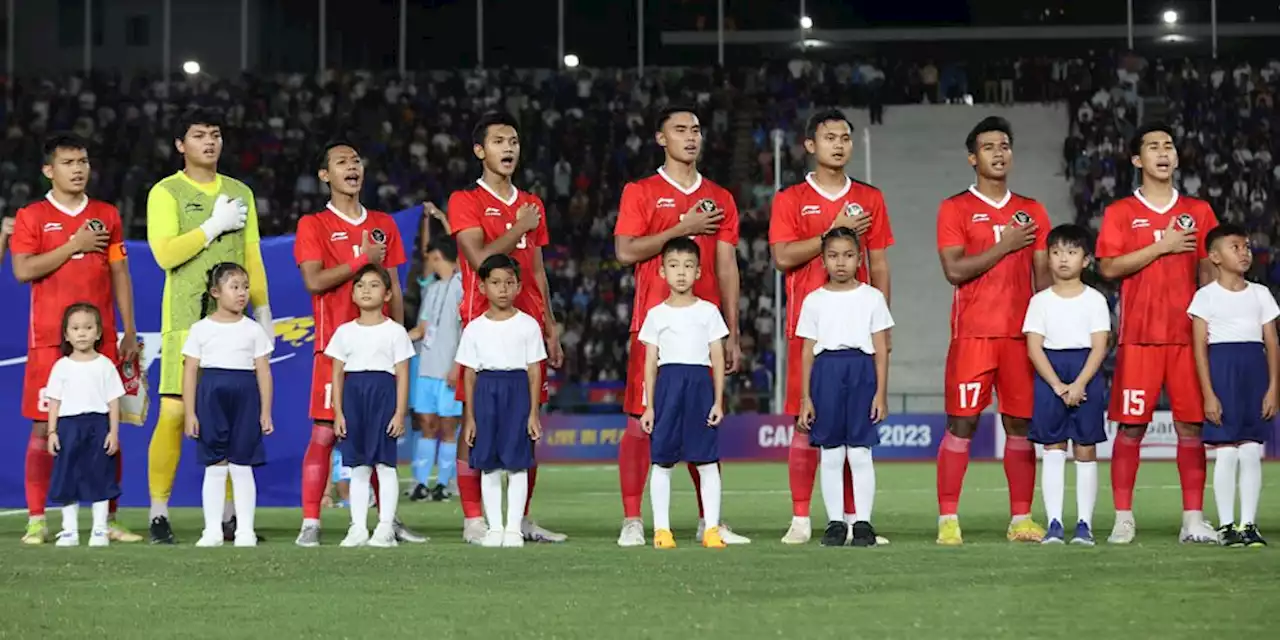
{"x": 1124, "y": 531}
{"x": 249, "y": 539}
{"x": 632, "y": 533}
{"x": 384, "y": 536}
{"x": 474, "y": 530}
{"x": 357, "y": 536}
{"x": 726, "y": 533}
{"x": 800, "y": 532}
{"x": 512, "y": 538}
{"x": 492, "y": 539}
{"x": 309, "y": 536}
{"x": 67, "y": 539}
{"x": 99, "y": 538}
{"x": 1197, "y": 531}
{"x": 210, "y": 539}
{"x": 534, "y": 533}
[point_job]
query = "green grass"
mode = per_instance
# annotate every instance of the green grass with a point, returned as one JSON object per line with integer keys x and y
{"x": 589, "y": 588}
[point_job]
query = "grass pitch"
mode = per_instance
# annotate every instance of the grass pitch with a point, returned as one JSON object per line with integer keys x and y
{"x": 589, "y": 588}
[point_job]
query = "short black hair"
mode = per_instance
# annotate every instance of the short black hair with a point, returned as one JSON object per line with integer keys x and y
{"x": 841, "y": 233}
{"x": 987, "y": 125}
{"x": 62, "y": 140}
{"x": 820, "y": 117}
{"x": 1227, "y": 230}
{"x": 496, "y": 262}
{"x": 665, "y": 114}
{"x": 492, "y": 119}
{"x": 682, "y": 244}
{"x": 370, "y": 267}
{"x": 78, "y": 307}
{"x": 1071, "y": 236}
{"x": 1135, "y": 143}
{"x": 193, "y": 117}
{"x": 323, "y": 159}
{"x": 445, "y": 245}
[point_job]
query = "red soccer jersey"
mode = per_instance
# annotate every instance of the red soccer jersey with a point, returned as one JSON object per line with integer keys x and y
{"x": 994, "y": 304}
{"x": 805, "y": 211}
{"x": 1154, "y": 301}
{"x": 332, "y": 239}
{"x": 657, "y": 203}
{"x": 46, "y": 225}
{"x": 480, "y": 208}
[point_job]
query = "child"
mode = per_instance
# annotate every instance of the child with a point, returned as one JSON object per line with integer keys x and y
{"x": 436, "y": 411}
{"x": 83, "y": 391}
{"x": 501, "y": 351}
{"x": 684, "y": 391}
{"x": 844, "y": 383}
{"x": 226, "y": 389}
{"x": 370, "y": 393}
{"x": 1234, "y": 335}
{"x": 1067, "y": 328}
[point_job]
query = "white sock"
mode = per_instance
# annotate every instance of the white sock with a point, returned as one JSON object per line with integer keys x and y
{"x": 710, "y": 492}
{"x": 244, "y": 494}
{"x": 491, "y": 496}
{"x": 1224, "y": 483}
{"x": 831, "y": 479}
{"x": 101, "y": 509}
{"x": 388, "y": 494}
{"x": 1250, "y": 481}
{"x": 214, "y": 496}
{"x": 864, "y": 481}
{"x": 359, "y": 496}
{"x": 1086, "y": 490}
{"x": 517, "y": 495}
{"x": 159, "y": 508}
{"x": 660, "y": 497}
{"x": 71, "y": 517}
{"x": 1053, "y": 479}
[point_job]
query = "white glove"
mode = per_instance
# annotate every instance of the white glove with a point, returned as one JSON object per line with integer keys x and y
{"x": 263, "y": 315}
{"x": 228, "y": 215}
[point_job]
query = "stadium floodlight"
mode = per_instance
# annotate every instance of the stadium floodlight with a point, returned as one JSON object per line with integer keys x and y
{"x": 806, "y": 22}
{"x": 191, "y": 67}
{"x": 1170, "y": 17}
{"x": 571, "y": 60}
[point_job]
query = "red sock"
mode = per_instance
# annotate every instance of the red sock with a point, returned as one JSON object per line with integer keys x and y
{"x": 39, "y": 466}
{"x": 697, "y": 485}
{"x": 111, "y": 508}
{"x": 849, "y": 507}
{"x": 802, "y": 467}
{"x": 533, "y": 480}
{"x": 316, "y": 463}
{"x": 1191, "y": 472}
{"x": 1125, "y": 455}
{"x": 633, "y": 468}
{"x": 1020, "y": 472}
{"x": 374, "y": 484}
{"x": 953, "y": 461}
{"x": 469, "y": 490}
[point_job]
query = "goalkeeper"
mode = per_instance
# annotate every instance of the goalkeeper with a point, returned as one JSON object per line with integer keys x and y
{"x": 196, "y": 218}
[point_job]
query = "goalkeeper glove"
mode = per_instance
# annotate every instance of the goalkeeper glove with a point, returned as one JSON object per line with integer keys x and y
{"x": 228, "y": 215}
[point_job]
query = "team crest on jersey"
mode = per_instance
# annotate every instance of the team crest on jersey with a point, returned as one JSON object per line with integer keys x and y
{"x": 97, "y": 225}
{"x": 1186, "y": 222}
{"x": 852, "y": 209}
{"x": 1021, "y": 218}
{"x": 378, "y": 235}
{"x": 707, "y": 205}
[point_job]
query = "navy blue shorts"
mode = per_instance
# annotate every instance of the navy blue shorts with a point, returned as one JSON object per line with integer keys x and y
{"x": 682, "y": 399}
{"x": 368, "y": 404}
{"x": 842, "y": 387}
{"x": 1052, "y": 421}
{"x": 1238, "y": 371}
{"x": 501, "y": 407}
{"x": 229, "y": 409}
{"x": 82, "y": 470}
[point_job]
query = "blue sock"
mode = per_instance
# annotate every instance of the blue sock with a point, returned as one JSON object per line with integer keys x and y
{"x": 448, "y": 462}
{"x": 424, "y": 457}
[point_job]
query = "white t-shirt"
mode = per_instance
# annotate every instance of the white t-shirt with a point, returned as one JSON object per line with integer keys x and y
{"x": 1234, "y": 316}
{"x": 1067, "y": 323}
{"x": 501, "y": 345}
{"x": 377, "y": 347}
{"x": 683, "y": 335}
{"x": 83, "y": 387}
{"x": 227, "y": 345}
{"x": 837, "y": 320}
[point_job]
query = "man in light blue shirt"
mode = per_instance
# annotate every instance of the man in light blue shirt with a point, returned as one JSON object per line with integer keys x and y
{"x": 436, "y": 411}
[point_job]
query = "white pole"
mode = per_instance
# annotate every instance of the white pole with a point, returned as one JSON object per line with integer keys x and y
{"x": 166, "y": 42}
{"x": 1130, "y": 23}
{"x": 560, "y": 33}
{"x": 1213, "y": 25}
{"x": 779, "y": 341}
{"x": 866, "y": 152}
{"x": 720, "y": 32}
{"x": 639, "y": 38}
{"x": 324, "y": 41}
{"x": 404, "y": 31}
{"x": 480, "y": 33}
{"x": 244, "y": 36}
{"x": 88, "y": 36}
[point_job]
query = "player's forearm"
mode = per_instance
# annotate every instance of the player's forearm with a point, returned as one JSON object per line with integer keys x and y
{"x": 1207, "y": 272}
{"x": 729, "y": 282}
{"x": 717, "y": 372}
{"x": 319, "y": 280}
{"x": 961, "y": 269}
{"x": 544, "y": 288}
{"x": 266, "y": 387}
{"x": 1041, "y": 277}
{"x": 257, "y": 271}
{"x": 789, "y": 255}
{"x": 29, "y": 267}
{"x": 472, "y": 247}
{"x": 122, "y": 285}
{"x": 1129, "y": 263}
{"x": 1044, "y": 368}
{"x": 174, "y": 251}
{"x": 879, "y": 271}
{"x": 630, "y": 250}
{"x": 397, "y": 298}
{"x": 1092, "y": 364}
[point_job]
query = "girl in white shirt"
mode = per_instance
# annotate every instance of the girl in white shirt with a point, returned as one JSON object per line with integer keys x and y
{"x": 226, "y": 389}
{"x": 83, "y": 391}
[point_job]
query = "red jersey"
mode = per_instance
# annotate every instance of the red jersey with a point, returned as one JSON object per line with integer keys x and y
{"x": 332, "y": 239}
{"x": 480, "y": 208}
{"x": 46, "y": 225}
{"x": 1154, "y": 300}
{"x": 994, "y": 304}
{"x": 805, "y": 211}
{"x": 657, "y": 203}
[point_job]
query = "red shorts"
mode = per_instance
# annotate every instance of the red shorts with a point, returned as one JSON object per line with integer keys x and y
{"x": 633, "y": 398}
{"x": 795, "y": 376}
{"x": 40, "y": 361}
{"x": 1141, "y": 370}
{"x": 978, "y": 366}
{"x": 460, "y": 393}
{"x": 322, "y": 388}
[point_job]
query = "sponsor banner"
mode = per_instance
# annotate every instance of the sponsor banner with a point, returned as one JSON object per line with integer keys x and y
{"x": 1160, "y": 443}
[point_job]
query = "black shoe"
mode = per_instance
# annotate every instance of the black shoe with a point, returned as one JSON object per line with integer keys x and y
{"x": 229, "y": 531}
{"x": 835, "y": 534}
{"x": 419, "y": 493}
{"x": 1250, "y": 536}
{"x": 864, "y": 535}
{"x": 1229, "y": 536}
{"x": 161, "y": 532}
{"x": 440, "y": 493}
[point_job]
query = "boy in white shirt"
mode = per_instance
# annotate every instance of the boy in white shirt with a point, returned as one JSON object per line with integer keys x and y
{"x": 844, "y": 382}
{"x": 1067, "y": 326}
{"x": 370, "y": 396}
{"x": 1234, "y": 337}
{"x": 501, "y": 351}
{"x": 684, "y": 391}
